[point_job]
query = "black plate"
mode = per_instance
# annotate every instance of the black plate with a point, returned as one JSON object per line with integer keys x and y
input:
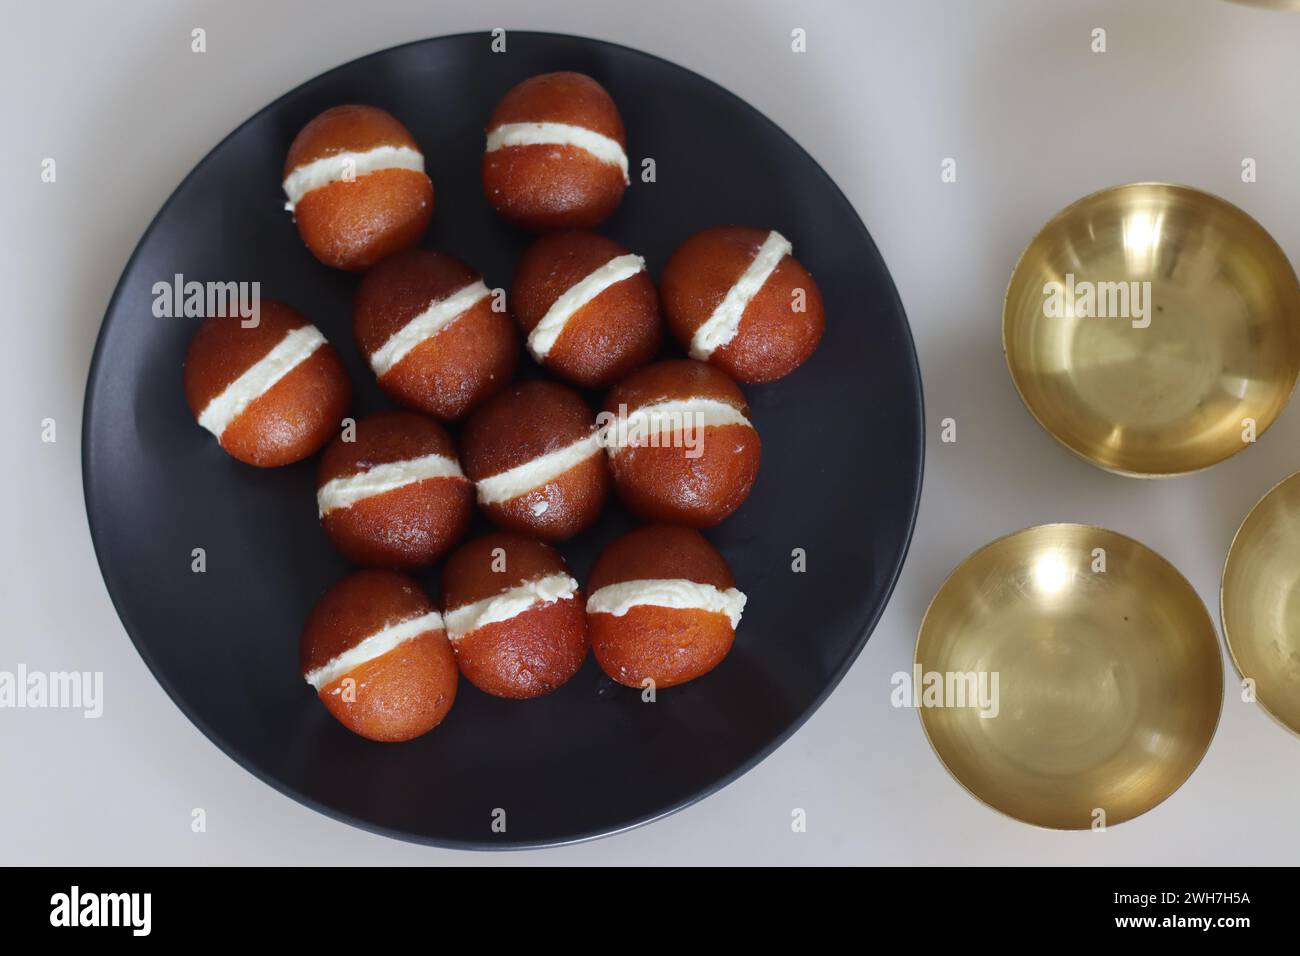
{"x": 840, "y": 478}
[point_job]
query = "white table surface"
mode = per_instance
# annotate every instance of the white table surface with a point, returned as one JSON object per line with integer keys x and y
{"x": 885, "y": 92}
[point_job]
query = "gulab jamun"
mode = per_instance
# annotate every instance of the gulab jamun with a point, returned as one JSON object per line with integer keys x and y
{"x": 514, "y": 615}
{"x": 662, "y": 606}
{"x": 391, "y": 493}
{"x": 587, "y": 306}
{"x": 268, "y": 386}
{"x": 556, "y": 155}
{"x": 375, "y": 650}
{"x": 681, "y": 445}
{"x": 427, "y": 325}
{"x": 535, "y": 457}
{"x": 356, "y": 186}
{"x": 736, "y": 297}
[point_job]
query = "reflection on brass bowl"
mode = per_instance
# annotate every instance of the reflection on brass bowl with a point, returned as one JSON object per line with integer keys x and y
{"x": 1108, "y": 683}
{"x": 1162, "y": 378}
{"x": 1260, "y": 601}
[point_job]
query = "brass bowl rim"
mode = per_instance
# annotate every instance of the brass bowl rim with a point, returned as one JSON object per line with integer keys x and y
{"x": 920, "y": 711}
{"x": 1223, "y": 616}
{"x": 1006, "y": 302}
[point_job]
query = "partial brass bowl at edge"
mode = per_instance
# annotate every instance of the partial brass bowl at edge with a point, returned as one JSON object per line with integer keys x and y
{"x": 1270, "y": 4}
{"x": 1110, "y": 679}
{"x": 1259, "y": 601}
{"x": 1206, "y": 369}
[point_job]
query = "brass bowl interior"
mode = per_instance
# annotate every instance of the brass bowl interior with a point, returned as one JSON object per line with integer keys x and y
{"x": 1175, "y": 389}
{"x": 1261, "y": 601}
{"x": 1110, "y": 682}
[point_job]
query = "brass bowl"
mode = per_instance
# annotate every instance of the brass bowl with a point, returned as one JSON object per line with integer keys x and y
{"x": 1109, "y": 684}
{"x": 1271, "y": 4}
{"x": 1220, "y": 344}
{"x": 1260, "y": 601}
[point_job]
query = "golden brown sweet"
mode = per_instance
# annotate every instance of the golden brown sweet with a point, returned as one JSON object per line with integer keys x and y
{"x": 662, "y": 606}
{"x": 273, "y": 393}
{"x": 556, "y": 155}
{"x": 394, "y": 495}
{"x": 514, "y": 615}
{"x": 356, "y": 185}
{"x": 736, "y": 297}
{"x": 535, "y": 458}
{"x": 681, "y": 446}
{"x": 587, "y": 307}
{"x": 375, "y": 650}
{"x": 425, "y": 322}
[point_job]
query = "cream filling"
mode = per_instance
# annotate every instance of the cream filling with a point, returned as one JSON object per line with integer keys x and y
{"x": 543, "y": 337}
{"x": 660, "y": 424}
{"x": 376, "y": 645}
{"x": 347, "y": 166}
{"x": 721, "y": 327}
{"x": 290, "y": 352}
{"x": 389, "y": 476}
{"x": 522, "y": 479}
{"x": 618, "y": 599}
{"x": 426, "y": 325}
{"x": 559, "y": 134}
{"x": 509, "y": 603}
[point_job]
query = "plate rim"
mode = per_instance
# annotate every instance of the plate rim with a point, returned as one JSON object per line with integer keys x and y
{"x": 917, "y": 461}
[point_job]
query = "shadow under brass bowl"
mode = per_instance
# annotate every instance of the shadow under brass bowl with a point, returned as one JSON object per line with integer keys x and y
{"x": 1153, "y": 380}
{"x": 1109, "y": 677}
{"x": 1260, "y": 601}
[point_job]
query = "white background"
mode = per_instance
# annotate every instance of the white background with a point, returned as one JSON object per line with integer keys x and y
{"x": 884, "y": 93}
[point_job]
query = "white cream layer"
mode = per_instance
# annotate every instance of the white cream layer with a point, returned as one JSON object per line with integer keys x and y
{"x": 426, "y": 325}
{"x": 376, "y": 645}
{"x": 618, "y": 599}
{"x": 543, "y": 337}
{"x": 657, "y": 424}
{"x": 347, "y": 491}
{"x": 347, "y": 166}
{"x": 559, "y": 134}
{"x": 291, "y": 351}
{"x": 721, "y": 327}
{"x": 509, "y": 603}
{"x": 522, "y": 479}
